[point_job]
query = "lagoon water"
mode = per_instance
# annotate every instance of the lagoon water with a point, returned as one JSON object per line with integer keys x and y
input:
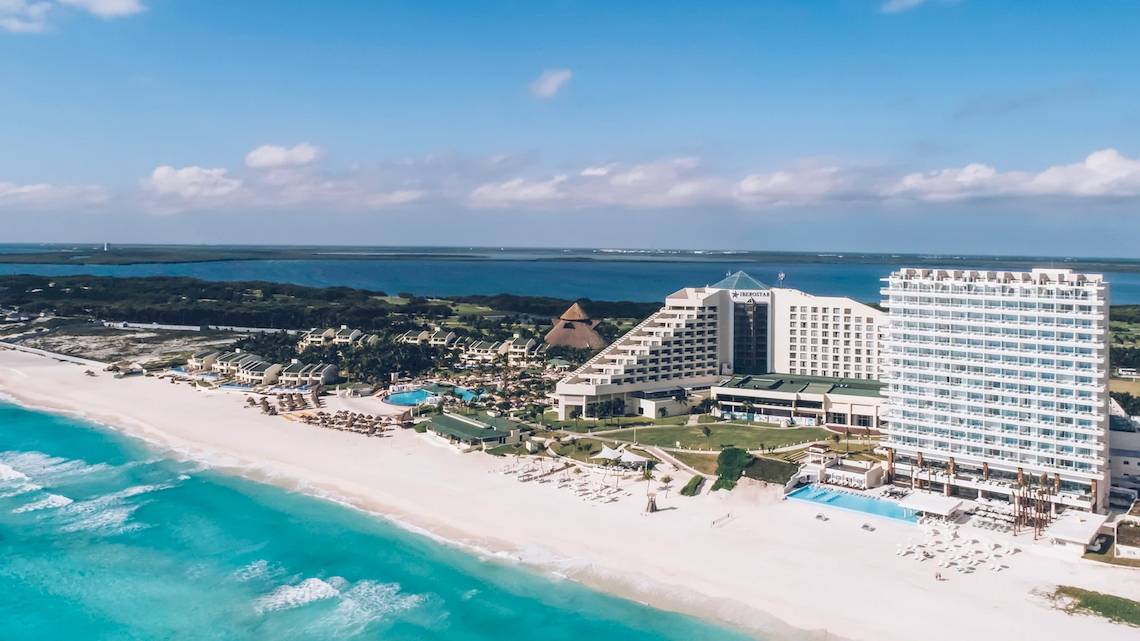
{"x": 102, "y": 539}
{"x": 538, "y": 275}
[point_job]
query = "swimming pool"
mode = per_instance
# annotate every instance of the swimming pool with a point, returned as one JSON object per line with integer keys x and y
{"x": 467, "y": 395}
{"x": 410, "y": 398}
{"x": 853, "y": 502}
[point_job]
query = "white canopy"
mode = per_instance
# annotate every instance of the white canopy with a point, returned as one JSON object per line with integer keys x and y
{"x": 633, "y": 459}
{"x": 929, "y": 503}
{"x": 608, "y": 453}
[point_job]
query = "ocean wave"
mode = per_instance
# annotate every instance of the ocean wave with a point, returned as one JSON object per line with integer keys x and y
{"x": 109, "y": 521}
{"x": 44, "y": 468}
{"x": 108, "y": 514}
{"x": 8, "y": 474}
{"x": 13, "y": 482}
{"x": 257, "y": 570}
{"x": 47, "y": 503}
{"x": 365, "y": 603}
{"x": 357, "y": 605}
{"x": 287, "y": 597}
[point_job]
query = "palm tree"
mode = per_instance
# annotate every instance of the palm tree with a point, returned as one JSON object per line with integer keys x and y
{"x": 749, "y": 409}
{"x": 647, "y": 476}
{"x": 665, "y": 484}
{"x": 707, "y": 431}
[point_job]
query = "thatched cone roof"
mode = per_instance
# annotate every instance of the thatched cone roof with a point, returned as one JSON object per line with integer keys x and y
{"x": 574, "y": 328}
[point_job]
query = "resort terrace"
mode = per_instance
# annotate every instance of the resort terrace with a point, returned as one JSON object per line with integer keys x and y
{"x": 801, "y": 400}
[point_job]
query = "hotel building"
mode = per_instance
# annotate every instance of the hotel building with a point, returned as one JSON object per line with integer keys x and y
{"x": 704, "y": 335}
{"x": 996, "y": 383}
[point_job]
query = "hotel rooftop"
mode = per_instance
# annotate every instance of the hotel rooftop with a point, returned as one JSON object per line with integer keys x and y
{"x": 799, "y": 384}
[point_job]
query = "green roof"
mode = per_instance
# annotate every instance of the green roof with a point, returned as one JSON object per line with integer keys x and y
{"x": 797, "y": 383}
{"x": 467, "y": 429}
{"x": 740, "y": 280}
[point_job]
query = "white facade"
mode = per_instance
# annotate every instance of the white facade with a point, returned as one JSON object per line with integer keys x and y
{"x": 824, "y": 335}
{"x": 997, "y": 380}
{"x": 692, "y": 342}
{"x": 677, "y": 346}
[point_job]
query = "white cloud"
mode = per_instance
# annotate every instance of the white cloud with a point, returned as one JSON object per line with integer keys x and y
{"x": 106, "y": 8}
{"x": 396, "y": 198}
{"x": 22, "y": 16}
{"x": 193, "y": 183}
{"x": 1104, "y": 173}
{"x": 899, "y": 6}
{"x": 44, "y": 194}
{"x": 550, "y": 82}
{"x": 275, "y": 156}
{"x": 519, "y": 191}
{"x": 31, "y": 16}
{"x": 794, "y": 186}
{"x": 591, "y": 172}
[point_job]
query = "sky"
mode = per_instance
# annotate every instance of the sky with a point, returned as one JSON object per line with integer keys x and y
{"x": 965, "y": 126}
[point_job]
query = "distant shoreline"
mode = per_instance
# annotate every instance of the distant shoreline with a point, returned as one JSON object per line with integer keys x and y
{"x": 80, "y": 254}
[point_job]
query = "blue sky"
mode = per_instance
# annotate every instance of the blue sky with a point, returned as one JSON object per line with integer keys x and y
{"x": 937, "y": 125}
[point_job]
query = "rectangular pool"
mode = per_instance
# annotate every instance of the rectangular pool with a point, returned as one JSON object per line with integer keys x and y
{"x": 854, "y": 503}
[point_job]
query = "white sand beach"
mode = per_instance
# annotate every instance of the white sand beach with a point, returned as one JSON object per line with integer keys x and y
{"x": 771, "y": 566}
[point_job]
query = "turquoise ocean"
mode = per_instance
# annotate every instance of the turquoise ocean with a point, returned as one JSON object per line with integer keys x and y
{"x": 102, "y": 538}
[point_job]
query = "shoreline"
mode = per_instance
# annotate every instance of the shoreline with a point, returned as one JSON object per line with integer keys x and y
{"x": 772, "y": 557}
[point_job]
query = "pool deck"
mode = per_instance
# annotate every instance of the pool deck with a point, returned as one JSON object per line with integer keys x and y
{"x": 839, "y": 494}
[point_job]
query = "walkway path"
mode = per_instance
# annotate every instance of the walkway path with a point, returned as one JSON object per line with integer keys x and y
{"x": 57, "y": 356}
{"x": 676, "y": 462}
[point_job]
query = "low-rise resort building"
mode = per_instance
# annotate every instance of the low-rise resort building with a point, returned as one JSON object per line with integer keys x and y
{"x": 229, "y": 363}
{"x": 257, "y": 372}
{"x": 299, "y": 374}
{"x": 343, "y": 337}
{"x": 475, "y": 432}
{"x": 851, "y": 404}
{"x": 202, "y": 360}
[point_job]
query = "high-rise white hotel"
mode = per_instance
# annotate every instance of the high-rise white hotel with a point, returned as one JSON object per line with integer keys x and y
{"x": 996, "y": 381}
{"x": 704, "y": 335}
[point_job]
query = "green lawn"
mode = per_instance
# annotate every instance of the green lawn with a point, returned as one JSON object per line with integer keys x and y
{"x": 551, "y": 421}
{"x": 1111, "y": 607}
{"x": 705, "y": 463}
{"x": 747, "y": 437}
{"x": 580, "y": 450}
{"x": 771, "y": 470}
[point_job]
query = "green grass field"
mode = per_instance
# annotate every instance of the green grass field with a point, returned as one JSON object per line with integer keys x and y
{"x": 724, "y": 435}
{"x": 1111, "y": 607}
{"x": 705, "y": 463}
{"x": 551, "y": 421}
{"x": 1124, "y": 385}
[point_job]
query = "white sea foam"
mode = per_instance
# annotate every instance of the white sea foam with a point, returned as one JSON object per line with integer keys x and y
{"x": 115, "y": 520}
{"x": 13, "y": 482}
{"x": 257, "y": 570}
{"x": 286, "y": 597}
{"x": 9, "y": 474}
{"x": 367, "y": 602}
{"x": 107, "y": 514}
{"x": 45, "y": 469}
{"x": 47, "y": 503}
